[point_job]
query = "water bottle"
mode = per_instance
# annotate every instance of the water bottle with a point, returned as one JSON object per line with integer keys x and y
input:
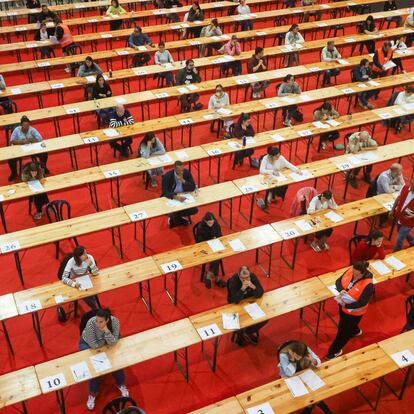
{"x": 350, "y": 116}
{"x": 110, "y": 73}
{"x": 244, "y": 140}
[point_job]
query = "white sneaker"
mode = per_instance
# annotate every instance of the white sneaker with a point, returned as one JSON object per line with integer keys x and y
{"x": 124, "y": 391}
{"x": 91, "y": 402}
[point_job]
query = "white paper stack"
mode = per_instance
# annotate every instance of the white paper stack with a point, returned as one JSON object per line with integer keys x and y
{"x": 395, "y": 263}
{"x": 230, "y": 320}
{"x": 296, "y": 386}
{"x": 101, "y": 362}
{"x": 254, "y": 311}
{"x": 380, "y": 267}
{"x": 216, "y": 245}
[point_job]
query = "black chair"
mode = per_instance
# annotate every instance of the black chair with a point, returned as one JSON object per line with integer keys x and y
{"x": 74, "y": 50}
{"x": 203, "y": 267}
{"x": 9, "y": 128}
{"x": 118, "y": 404}
{"x": 85, "y": 318}
{"x": 409, "y": 313}
{"x": 59, "y": 210}
{"x": 353, "y": 243}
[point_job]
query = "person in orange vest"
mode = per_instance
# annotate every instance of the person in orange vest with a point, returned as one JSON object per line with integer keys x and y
{"x": 355, "y": 291}
{"x": 64, "y": 36}
{"x": 403, "y": 213}
{"x": 383, "y": 56}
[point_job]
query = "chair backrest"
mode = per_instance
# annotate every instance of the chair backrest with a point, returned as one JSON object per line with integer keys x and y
{"x": 352, "y": 244}
{"x": 346, "y": 139}
{"x": 392, "y": 99}
{"x": 58, "y": 210}
{"x": 118, "y": 404}
{"x": 63, "y": 264}
{"x": 85, "y": 318}
{"x": 196, "y": 239}
{"x": 372, "y": 188}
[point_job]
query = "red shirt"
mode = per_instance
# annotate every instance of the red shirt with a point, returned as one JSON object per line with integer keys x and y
{"x": 365, "y": 251}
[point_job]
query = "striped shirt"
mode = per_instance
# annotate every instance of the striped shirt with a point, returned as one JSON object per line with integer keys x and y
{"x": 96, "y": 338}
{"x": 120, "y": 120}
{"x": 72, "y": 270}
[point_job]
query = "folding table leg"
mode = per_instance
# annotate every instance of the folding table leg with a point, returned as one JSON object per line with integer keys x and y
{"x": 36, "y": 327}
{"x": 291, "y": 265}
{"x": 61, "y": 401}
{"x": 174, "y": 296}
{"x": 19, "y": 267}
{"x": 318, "y": 317}
{"x": 3, "y": 218}
{"x": 6, "y": 334}
{"x": 181, "y": 367}
{"x": 373, "y": 405}
{"x": 147, "y": 303}
{"x": 212, "y": 362}
{"x": 118, "y": 249}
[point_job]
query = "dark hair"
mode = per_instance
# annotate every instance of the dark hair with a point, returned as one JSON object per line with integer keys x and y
{"x": 138, "y": 28}
{"x": 298, "y": 347}
{"x": 161, "y": 43}
{"x": 147, "y": 137}
{"x": 116, "y": 1}
{"x": 188, "y": 61}
{"x": 89, "y": 59}
{"x": 258, "y": 50}
{"x": 106, "y": 314}
{"x": 326, "y": 194}
{"x": 244, "y": 267}
{"x": 361, "y": 266}
{"x": 178, "y": 163}
{"x": 33, "y": 166}
{"x": 369, "y": 18}
{"x": 78, "y": 251}
{"x": 209, "y": 216}
{"x": 363, "y": 62}
{"x": 24, "y": 118}
{"x": 219, "y": 86}
{"x": 100, "y": 76}
{"x": 243, "y": 117}
{"x": 272, "y": 151}
{"x": 287, "y": 78}
{"x": 215, "y": 22}
{"x": 57, "y": 20}
{"x": 326, "y": 105}
{"x": 409, "y": 89}
{"x": 294, "y": 26}
{"x": 374, "y": 235}
{"x": 195, "y": 3}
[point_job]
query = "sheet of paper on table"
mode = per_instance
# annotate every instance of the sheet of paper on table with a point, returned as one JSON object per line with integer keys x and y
{"x": 216, "y": 245}
{"x": 237, "y": 245}
{"x": 230, "y": 320}
{"x": 100, "y": 362}
{"x": 312, "y": 379}
{"x": 380, "y": 267}
{"x": 254, "y": 311}
{"x": 331, "y": 215}
{"x": 80, "y": 371}
{"x": 85, "y": 282}
{"x": 395, "y": 263}
{"x": 296, "y": 386}
{"x": 35, "y": 185}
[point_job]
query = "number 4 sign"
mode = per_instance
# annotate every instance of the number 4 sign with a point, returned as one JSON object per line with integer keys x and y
{"x": 209, "y": 331}
{"x": 265, "y": 408}
{"x": 53, "y": 382}
{"x": 403, "y": 358}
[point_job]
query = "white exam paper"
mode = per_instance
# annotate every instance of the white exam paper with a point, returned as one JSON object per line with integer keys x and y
{"x": 380, "y": 267}
{"x": 80, "y": 371}
{"x": 331, "y": 215}
{"x": 296, "y": 386}
{"x": 395, "y": 263}
{"x": 254, "y": 311}
{"x": 237, "y": 245}
{"x": 216, "y": 245}
{"x": 312, "y": 380}
{"x": 85, "y": 282}
{"x": 35, "y": 185}
{"x": 100, "y": 362}
{"x": 230, "y": 320}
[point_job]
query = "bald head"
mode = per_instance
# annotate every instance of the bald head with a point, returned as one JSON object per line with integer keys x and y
{"x": 363, "y": 135}
{"x": 396, "y": 169}
{"x": 120, "y": 110}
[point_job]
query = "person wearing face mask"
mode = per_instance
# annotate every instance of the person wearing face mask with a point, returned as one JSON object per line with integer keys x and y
{"x": 403, "y": 213}
{"x": 370, "y": 248}
{"x": 219, "y": 100}
{"x": 151, "y": 146}
{"x": 43, "y": 34}
{"x": 295, "y": 356}
{"x": 186, "y": 76}
{"x": 293, "y": 40}
{"x": 100, "y": 331}
{"x": 321, "y": 201}
{"x": 23, "y": 135}
{"x": 120, "y": 116}
{"x": 34, "y": 171}
{"x": 245, "y": 285}
{"x": 207, "y": 229}
{"x": 355, "y": 289}
{"x": 272, "y": 163}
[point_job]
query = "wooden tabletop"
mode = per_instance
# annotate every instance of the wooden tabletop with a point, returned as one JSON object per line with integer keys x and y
{"x": 340, "y": 374}
{"x": 399, "y": 343}
{"x": 18, "y": 386}
{"x": 115, "y": 277}
{"x": 127, "y": 351}
{"x": 194, "y": 255}
{"x": 8, "y": 307}
{"x": 229, "y": 406}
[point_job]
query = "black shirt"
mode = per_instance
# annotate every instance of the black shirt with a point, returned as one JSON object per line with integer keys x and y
{"x": 50, "y": 15}
{"x": 205, "y": 232}
{"x": 236, "y": 295}
{"x": 239, "y": 132}
{"x": 98, "y": 90}
{"x": 390, "y": 5}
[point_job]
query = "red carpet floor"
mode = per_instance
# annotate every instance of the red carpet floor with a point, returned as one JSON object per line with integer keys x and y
{"x": 157, "y": 385}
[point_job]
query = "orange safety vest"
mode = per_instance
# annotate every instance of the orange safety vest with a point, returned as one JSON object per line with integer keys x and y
{"x": 382, "y": 59}
{"x": 355, "y": 291}
{"x": 67, "y": 38}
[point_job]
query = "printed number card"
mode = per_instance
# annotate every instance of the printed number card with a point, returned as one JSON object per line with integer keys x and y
{"x": 403, "y": 358}
{"x": 112, "y": 173}
{"x": 209, "y": 331}
{"x": 138, "y": 215}
{"x": 30, "y": 306}
{"x": 264, "y": 408}
{"x": 10, "y": 247}
{"x": 53, "y": 382}
{"x": 171, "y": 266}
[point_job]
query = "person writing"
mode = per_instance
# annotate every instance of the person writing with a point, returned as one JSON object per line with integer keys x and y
{"x": 363, "y": 73}
{"x": 369, "y": 248}
{"x": 207, "y": 229}
{"x": 136, "y": 40}
{"x": 295, "y": 356}
{"x": 368, "y": 27}
{"x": 175, "y": 183}
{"x": 321, "y": 201}
{"x": 324, "y": 113}
{"x": 294, "y": 40}
{"x": 355, "y": 289}
{"x": 120, "y": 116}
{"x": 243, "y": 285}
{"x": 115, "y": 10}
{"x": 80, "y": 264}
{"x": 288, "y": 88}
{"x": 403, "y": 213}
{"x": 151, "y": 146}
{"x": 102, "y": 330}
{"x": 89, "y": 68}
{"x": 330, "y": 54}
{"x": 391, "y": 180}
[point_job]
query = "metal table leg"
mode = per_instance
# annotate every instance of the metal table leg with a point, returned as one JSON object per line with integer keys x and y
{"x": 174, "y": 296}
{"x": 147, "y": 303}
{"x": 3, "y": 218}
{"x": 212, "y": 362}
{"x": 118, "y": 249}
{"x": 19, "y": 267}
{"x": 61, "y": 401}
{"x": 36, "y": 327}
{"x": 183, "y": 369}
{"x": 6, "y": 334}
{"x": 318, "y": 317}
{"x": 295, "y": 250}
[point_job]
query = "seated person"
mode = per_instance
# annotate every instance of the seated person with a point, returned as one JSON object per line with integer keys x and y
{"x": 391, "y": 180}
{"x": 175, "y": 183}
{"x": 403, "y": 98}
{"x": 322, "y": 201}
{"x": 363, "y": 73}
{"x": 243, "y": 9}
{"x": 89, "y": 68}
{"x": 34, "y": 171}
{"x": 398, "y": 45}
{"x": 80, "y": 264}
{"x": 241, "y": 130}
{"x": 101, "y": 331}
{"x": 232, "y": 48}
{"x": 100, "y": 90}
{"x": 369, "y": 248}
{"x": 359, "y": 142}
{"x": 120, "y": 116}
{"x": 330, "y": 54}
{"x": 272, "y": 163}
{"x": 136, "y": 40}
{"x": 46, "y": 15}
{"x": 5, "y": 103}
{"x": 219, "y": 100}
{"x": 195, "y": 14}
{"x": 163, "y": 57}
{"x": 169, "y": 4}
{"x": 256, "y": 64}
{"x": 323, "y": 113}
{"x": 295, "y": 356}
{"x": 114, "y": 10}
{"x": 244, "y": 285}
{"x": 409, "y": 24}
{"x": 295, "y": 40}
{"x": 309, "y": 13}
{"x": 23, "y": 135}
{"x": 207, "y": 229}
{"x": 151, "y": 146}
{"x": 186, "y": 76}
{"x": 368, "y": 27}
{"x": 43, "y": 34}
{"x": 33, "y": 4}
{"x": 382, "y": 58}
{"x": 288, "y": 88}
{"x": 213, "y": 29}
